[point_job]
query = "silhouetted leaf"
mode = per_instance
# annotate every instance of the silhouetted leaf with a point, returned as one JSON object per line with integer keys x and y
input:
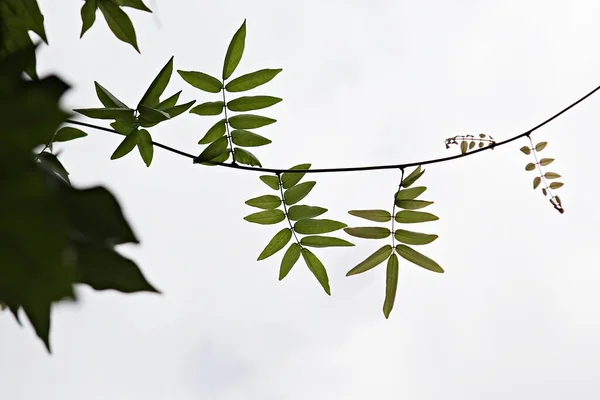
{"x": 209, "y": 108}
{"x": 67, "y": 133}
{"x": 107, "y": 98}
{"x": 178, "y": 109}
{"x": 245, "y": 157}
{"x": 150, "y": 115}
{"x": 267, "y": 217}
{"x": 234, "y": 51}
{"x": 412, "y": 177}
{"x": 145, "y": 146}
{"x": 417, "y": 258}
{"x": 277, "y": 243}
{"x": 372, "y": 261}
{"x": 249, "y": 103}
{"x": 52, "y": 163}
{"x": 266, "y": 202}
{"x": 289, "y": 260}
{"x": 290, "y": 179}
{"x": 296, "y": 213}
{"x": 168, "y": 102}
{"x": 271, "y": 181}
{"x": 252, "y": 80}
{"x": 316, "y": 267}
{"x": 412, "y": 217}
{"x": 412, "y": 204}
{"x": 88, "y": 15}
{"x": 137, "y": 4}
{"x": 298, "y": 192}
{"x": 415, "y": 238}
{"x": 106, "y": 113}
{"x": 391, "y": 285}
{"x": 324, "y": 241}
{"x": 249, "y": 121}
{"x": 214, "y": 133}
{"x": 118, "y": 22}
{"x": 214, "y": 149}
{"x": 317, "y": 226}
{"x": 128, "y": 144}
{"x": 372, "y": 215}
{"x": 158, "y": 86}
{"x": 369, "y": 232}
{"x": 248, "y": 139}
{"x": 201, "y": 81}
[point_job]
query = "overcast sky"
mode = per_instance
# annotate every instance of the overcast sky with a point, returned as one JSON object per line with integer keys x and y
{"x": 514, "y": 316}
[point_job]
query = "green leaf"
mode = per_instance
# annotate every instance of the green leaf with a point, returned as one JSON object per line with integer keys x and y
{"x": 252, "y": 80}
{"x": 201, "y": 81}
{"x": 137, "y": 4}
{"x": 471, "y": 145}
{"x": 88, "y": 15}
{"x": 214, "y": 150}
{"x": 107, "y": 98}
{"x": 245, "y": 157}
{"x": 158, "y": 86}
{"x": 372, "y": 215}
{"x": 266, "y": 202}
{"x": 268, "y": 217}
{"x": 124, "y": 127}
{"x": 296, "y": 213}
{"x": 106, "y": 113}
{"x": 209, "y": 108}
{"x": 290, "y": 258}
{"x": 317, "y": 226}
{"x": 168, "y": 102}
{"x": 215, "y": 132}
{"x": 277, "y": 243}
{"x": 145, "y": 146}
{"x": 324, "y": 241}
{"x": 372, "y": 261}
{"x": 52, "y": 163}
{"x": 102, "y": 268}
{"x": 410, "y": 194}
{"x": 248, "y": 139}
{"x": 178, "y": 109}
{"x": 118, "y": 22}
{"x": 412, "y": 204}
{"x": 536, "y": 182}
{"x": 221, "y": 158}
{"x": 234, "y": 51}
{"x": 525, "y": 150}
{"x": 290, "y": 179}
{"x": 249, "y": 121}
{"x": 413, "y": 217}
{"x": 412, "y": 177}
{"x": 417, "y": 258}
{"x": 67, "y": 133}
{"x": 26, "y": 16}
{"x": 150, "y": 115}
{"x": 249, "y": 103}
{"x": 551, "y": 175}
{"x": 391, "y": 285}
{"x": 463, "y": 147}
{"x": 556, "y": 185}
{"x": 316, "y": 267}
{"x": 128, "y": 144}
{"x": 369, "y": 232}
{"x": 530, "y": 167}
{"x": 415, "y": 238}
{"x": 298, "y": 192}
{"x": 546, "y": 161}
{"x": 271, "y": 181}
{"x": 540, "y": 146}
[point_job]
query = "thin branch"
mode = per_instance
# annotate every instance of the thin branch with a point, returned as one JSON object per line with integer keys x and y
{"x": 362, "y": 168}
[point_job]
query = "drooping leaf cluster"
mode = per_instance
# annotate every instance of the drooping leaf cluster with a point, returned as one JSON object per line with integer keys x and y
{"x": 304, "y": 226}
{"x": 544, "y": 177}
{"x": 406, "y": 198}
{"x": 233, "y": 130}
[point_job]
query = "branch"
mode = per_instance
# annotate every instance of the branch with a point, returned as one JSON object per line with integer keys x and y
{"x": 363, "y": 168}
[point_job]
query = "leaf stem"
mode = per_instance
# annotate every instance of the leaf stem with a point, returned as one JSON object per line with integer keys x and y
{"x": 394, "y": 209}
{"x": 285, "y": 210}
{"x": 227, "y": 127}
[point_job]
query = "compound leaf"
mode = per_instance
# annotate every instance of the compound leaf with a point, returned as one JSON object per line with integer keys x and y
{"x": 410, "y": 194}
{"x": 214, "y": 133}
{"x": 412, "y": 204}
{"x": 245, "y": 157}
{"x": 213, "y": 150}
{"x": 209, "y": 108}
{"x": 271, "y": 181}
{"x": 412, "y": 177}
{"x": 248, "y": 139}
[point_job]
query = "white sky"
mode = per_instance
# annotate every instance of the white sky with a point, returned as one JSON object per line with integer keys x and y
{"x": 363, "y": 83}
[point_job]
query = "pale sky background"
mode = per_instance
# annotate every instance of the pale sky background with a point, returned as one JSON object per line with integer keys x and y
{"x": 514, "y": 317}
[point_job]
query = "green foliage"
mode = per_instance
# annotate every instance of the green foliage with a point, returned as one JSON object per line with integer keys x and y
{"x": 67, "y": 133}
{"x": 234, "y": 51}
{"x": 469, "y": 142}
{"x": 252, "y": 80}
